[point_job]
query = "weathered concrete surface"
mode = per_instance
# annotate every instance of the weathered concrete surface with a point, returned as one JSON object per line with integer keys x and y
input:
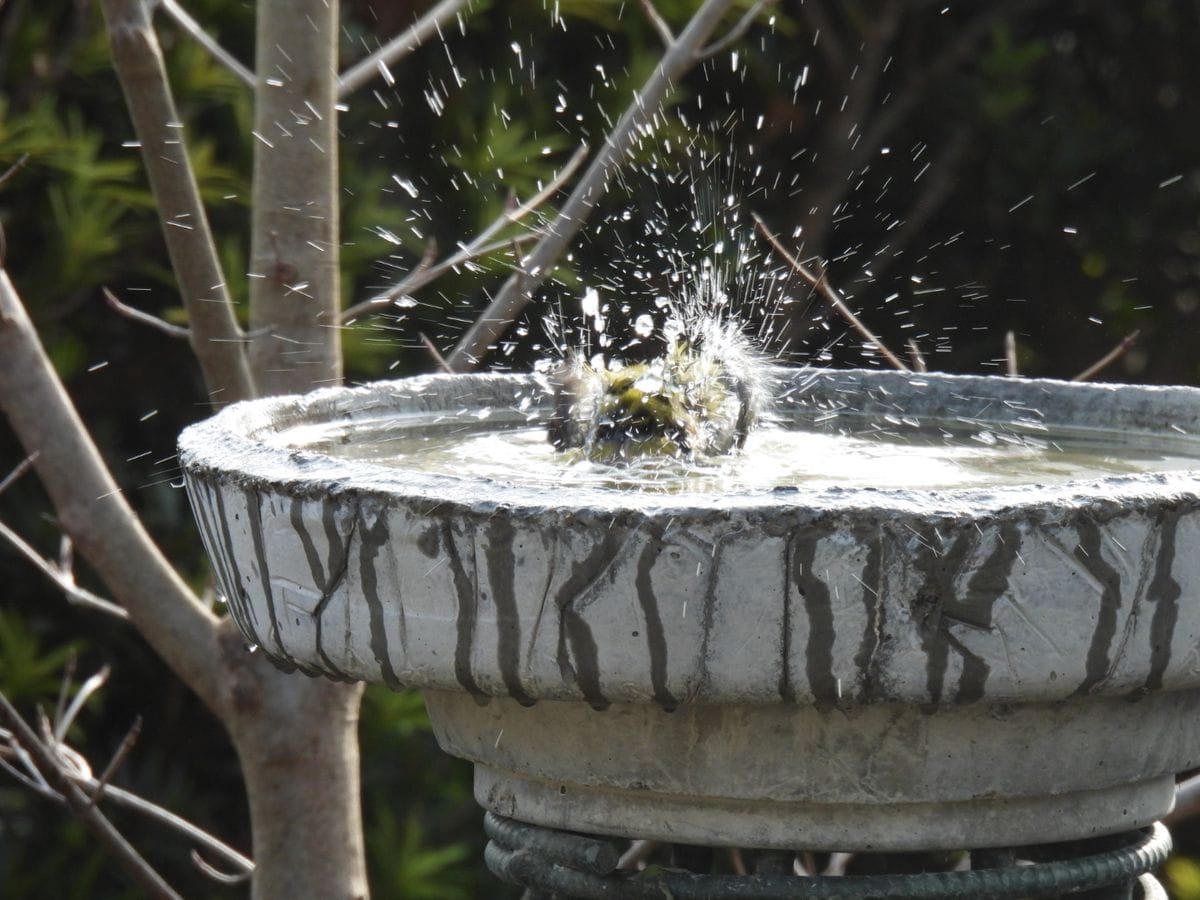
{"x": 798, "y": 600}
{"x": 871, "y": 777}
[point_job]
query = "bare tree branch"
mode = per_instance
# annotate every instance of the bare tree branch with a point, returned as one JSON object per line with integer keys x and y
{"x": 510, "y": 300}
{"x": 215, "y": 337}
{"x": 118, "y": 759}
{"x": 435, "y": 353}
{"x": 635, "y": 857}
{"x": 156, "y": 813}
{"x": 167, "y": 328}
{"x": 205, "y": 40}
{"x": 397, "y": 48}
{"x": 405, "y": 286}
{"x": 21, "y": 468}
{"x": 139, "y": 871}
{"x": 737, "y": 32}
{"x": 92, "y": 511}
{"x": 74, "y": 766}
{"x": 217, "y": 875}
{"x": 481, "y": 245}
{"x": 1110, "y": 357}
{"x": 914, "y": 353}
{"x": 63, "y": 580}
{"x": 14, "y": 169}
{"x": 822, "y": 286}
{"x": 657, "y": 22}
{"x": 1010, "y": 354}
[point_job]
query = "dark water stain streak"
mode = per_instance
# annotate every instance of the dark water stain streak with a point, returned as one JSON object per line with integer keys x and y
{"x": 499, "y": 554}
{"x": 1087, "y": 553}
{"x": 656, "y": 639}
{"x": 372, "y": 539}
{"x": 818, "y": 607}
{"x": 1164, "y": 592}
{"x": 573, "y": 629}
{"x": 254, "y": 502}
{"x": 466, "y": 591}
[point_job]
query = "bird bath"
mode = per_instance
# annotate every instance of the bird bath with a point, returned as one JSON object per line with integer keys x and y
{"x": 983, "y": 635}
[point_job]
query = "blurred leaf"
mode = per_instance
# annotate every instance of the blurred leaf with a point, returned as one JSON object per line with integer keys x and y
{"x": 406, "y": 869}
{"x": 1183, "y": 877}
{"x": 29, "y": 672}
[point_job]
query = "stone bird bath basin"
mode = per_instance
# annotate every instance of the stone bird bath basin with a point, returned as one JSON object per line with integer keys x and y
{"x": 804, "y": 665}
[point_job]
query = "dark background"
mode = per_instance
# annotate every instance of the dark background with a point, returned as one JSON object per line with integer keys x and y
{"x": 1040, "y": 176}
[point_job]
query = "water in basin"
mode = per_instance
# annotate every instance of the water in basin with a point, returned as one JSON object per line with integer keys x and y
{"x": 843, "y": 451}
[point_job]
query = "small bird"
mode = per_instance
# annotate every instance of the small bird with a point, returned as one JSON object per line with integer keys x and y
{"x": 699, "y": 399}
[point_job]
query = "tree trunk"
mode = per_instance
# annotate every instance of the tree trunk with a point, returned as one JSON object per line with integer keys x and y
{"x": 297, "y": 741}
{"x": 294, "y": 218}
{"x": 296, "y": 737}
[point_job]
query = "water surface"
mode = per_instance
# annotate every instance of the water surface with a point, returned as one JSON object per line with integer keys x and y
{"x": 845, "y": 453}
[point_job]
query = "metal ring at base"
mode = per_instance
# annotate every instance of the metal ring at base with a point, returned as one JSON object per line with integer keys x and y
{"x": 567, "y": 864}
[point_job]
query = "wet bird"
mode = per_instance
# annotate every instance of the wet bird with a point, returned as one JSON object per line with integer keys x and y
{"x": 700, "y": 398}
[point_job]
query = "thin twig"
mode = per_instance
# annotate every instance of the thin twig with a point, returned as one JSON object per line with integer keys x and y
{"x": 822, "y": 286}
{"x": 914, "y": 353}
{"x": 639, "y": 851}
{"x": 737, "y": 862}
{"x": 398, "y": 291}
{"x": 73, "y": 592}
{"x": 397, "y": 48}
{"x": 510, "y": 300}
{"x": 216, "y": 339}
{"x": 167, "y": 328}
{"x": 1010, "y": 354}
{"x": 33, "y": 780}
{"x": 64, "y": 687}
{"x": 205, "y": 40}
{"x": 118, "y": 759}
{"x": 737, "y": 32}
{"x": 14, "y": 169}
{"x": 217, "y": 875}
{"x": 90, "y": 685}
{"x": 657, "y": 22}
{"x": 434, "y": 352}
{"x": 1110, "y": 357}
{"x": 482, "y": 244}
{"x": 837, "y": 864}
{"x": 20, "y": 469}
{"x": 75, "y": 767}
{"x": 166, "y": 817}
{"x": 134, "y": 864}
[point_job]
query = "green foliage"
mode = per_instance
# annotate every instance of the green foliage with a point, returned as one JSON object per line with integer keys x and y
{"x": 30, "y": 672}
{"x": 406, "y": 868}
{"x": 1183, "y": 878}
{"x": 1048, "y": 99}
{"x": 1007, "y": 71}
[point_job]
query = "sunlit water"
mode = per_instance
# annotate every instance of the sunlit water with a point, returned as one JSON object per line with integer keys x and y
{"x": 774, "y": 457}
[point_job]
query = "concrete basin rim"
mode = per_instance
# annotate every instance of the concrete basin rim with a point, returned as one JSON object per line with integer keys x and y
{"x": 224, "y": 449}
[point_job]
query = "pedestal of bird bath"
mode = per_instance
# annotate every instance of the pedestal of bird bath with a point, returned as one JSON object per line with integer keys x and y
{"x": 817, "y": 667}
